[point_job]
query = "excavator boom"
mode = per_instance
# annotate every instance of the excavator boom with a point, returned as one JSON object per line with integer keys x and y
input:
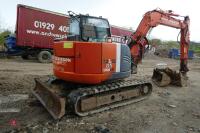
{"x": 152, "y": 19}
{"x": 138, "y": 42}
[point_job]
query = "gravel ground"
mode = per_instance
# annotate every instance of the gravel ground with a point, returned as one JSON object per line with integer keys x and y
{"x": 168, "y": 110}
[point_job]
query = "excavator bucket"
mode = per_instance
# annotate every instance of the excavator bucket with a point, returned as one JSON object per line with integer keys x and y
{"x": 160, "y": 78}
{"x": 49, "y": 99}
{"x": 166, "y": 76}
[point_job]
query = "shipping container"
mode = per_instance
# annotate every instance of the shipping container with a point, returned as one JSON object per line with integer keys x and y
{"x": 190, "y": 54}
{"x": 175, "y": 53}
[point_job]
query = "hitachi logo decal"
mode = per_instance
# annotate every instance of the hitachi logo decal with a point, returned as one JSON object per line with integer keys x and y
{"x": 108, "y": 66}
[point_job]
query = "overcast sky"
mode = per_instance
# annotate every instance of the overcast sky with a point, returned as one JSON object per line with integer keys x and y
{"x": 126, "y": 13}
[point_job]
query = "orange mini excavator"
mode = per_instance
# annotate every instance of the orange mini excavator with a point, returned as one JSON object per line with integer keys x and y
{"x": 91, "y": 73}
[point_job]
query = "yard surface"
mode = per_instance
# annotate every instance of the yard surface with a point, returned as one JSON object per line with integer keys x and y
{"x": 168, "y": 110}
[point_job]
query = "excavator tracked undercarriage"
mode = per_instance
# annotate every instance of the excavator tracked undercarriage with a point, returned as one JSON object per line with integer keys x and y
{"x": 58, "y": 96}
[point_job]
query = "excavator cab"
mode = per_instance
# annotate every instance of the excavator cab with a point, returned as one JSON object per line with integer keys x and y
{"x": 88, "y": 28}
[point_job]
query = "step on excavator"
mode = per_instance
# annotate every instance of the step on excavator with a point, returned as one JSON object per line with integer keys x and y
{"x": 92, "y": 74}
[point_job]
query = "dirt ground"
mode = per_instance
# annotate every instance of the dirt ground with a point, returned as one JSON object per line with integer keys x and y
{"x": 168, "y": 110}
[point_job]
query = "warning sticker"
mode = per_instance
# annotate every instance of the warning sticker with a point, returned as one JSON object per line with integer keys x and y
{"x": 68, "y": 45}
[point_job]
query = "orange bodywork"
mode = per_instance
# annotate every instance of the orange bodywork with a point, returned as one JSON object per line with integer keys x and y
{"x": 154, "y": 18}
{"x": 84, "y": 62}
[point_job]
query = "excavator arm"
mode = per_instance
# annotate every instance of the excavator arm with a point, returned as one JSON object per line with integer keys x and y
{"x": 152, "y": 19}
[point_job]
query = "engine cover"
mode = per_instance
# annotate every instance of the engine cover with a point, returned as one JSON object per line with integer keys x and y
{"x": 90, "y": 62}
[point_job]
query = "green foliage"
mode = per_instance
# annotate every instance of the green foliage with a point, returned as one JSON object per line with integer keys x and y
{"x": 171, "y": 44}
{"x": 195, "y": 46}
{"x": 2, "y": 36}
{"x": 155, "y": 42}
{"x": 164, "y": 44}
{"x": 174, "y": 44}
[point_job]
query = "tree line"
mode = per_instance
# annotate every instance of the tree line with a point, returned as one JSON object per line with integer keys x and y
{"x": 3, "y": 34}
{"x": 195, "y": 46}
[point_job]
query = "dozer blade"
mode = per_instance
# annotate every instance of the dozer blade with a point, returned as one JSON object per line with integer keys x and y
{"x": 49, "y": 99}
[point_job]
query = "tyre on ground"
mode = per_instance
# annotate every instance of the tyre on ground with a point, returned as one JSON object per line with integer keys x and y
{"x": 25, "y": 56}
{"x": 45, "y": 57}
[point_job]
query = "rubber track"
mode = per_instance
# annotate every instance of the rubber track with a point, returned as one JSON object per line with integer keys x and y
{"x": 76, "y": 95}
